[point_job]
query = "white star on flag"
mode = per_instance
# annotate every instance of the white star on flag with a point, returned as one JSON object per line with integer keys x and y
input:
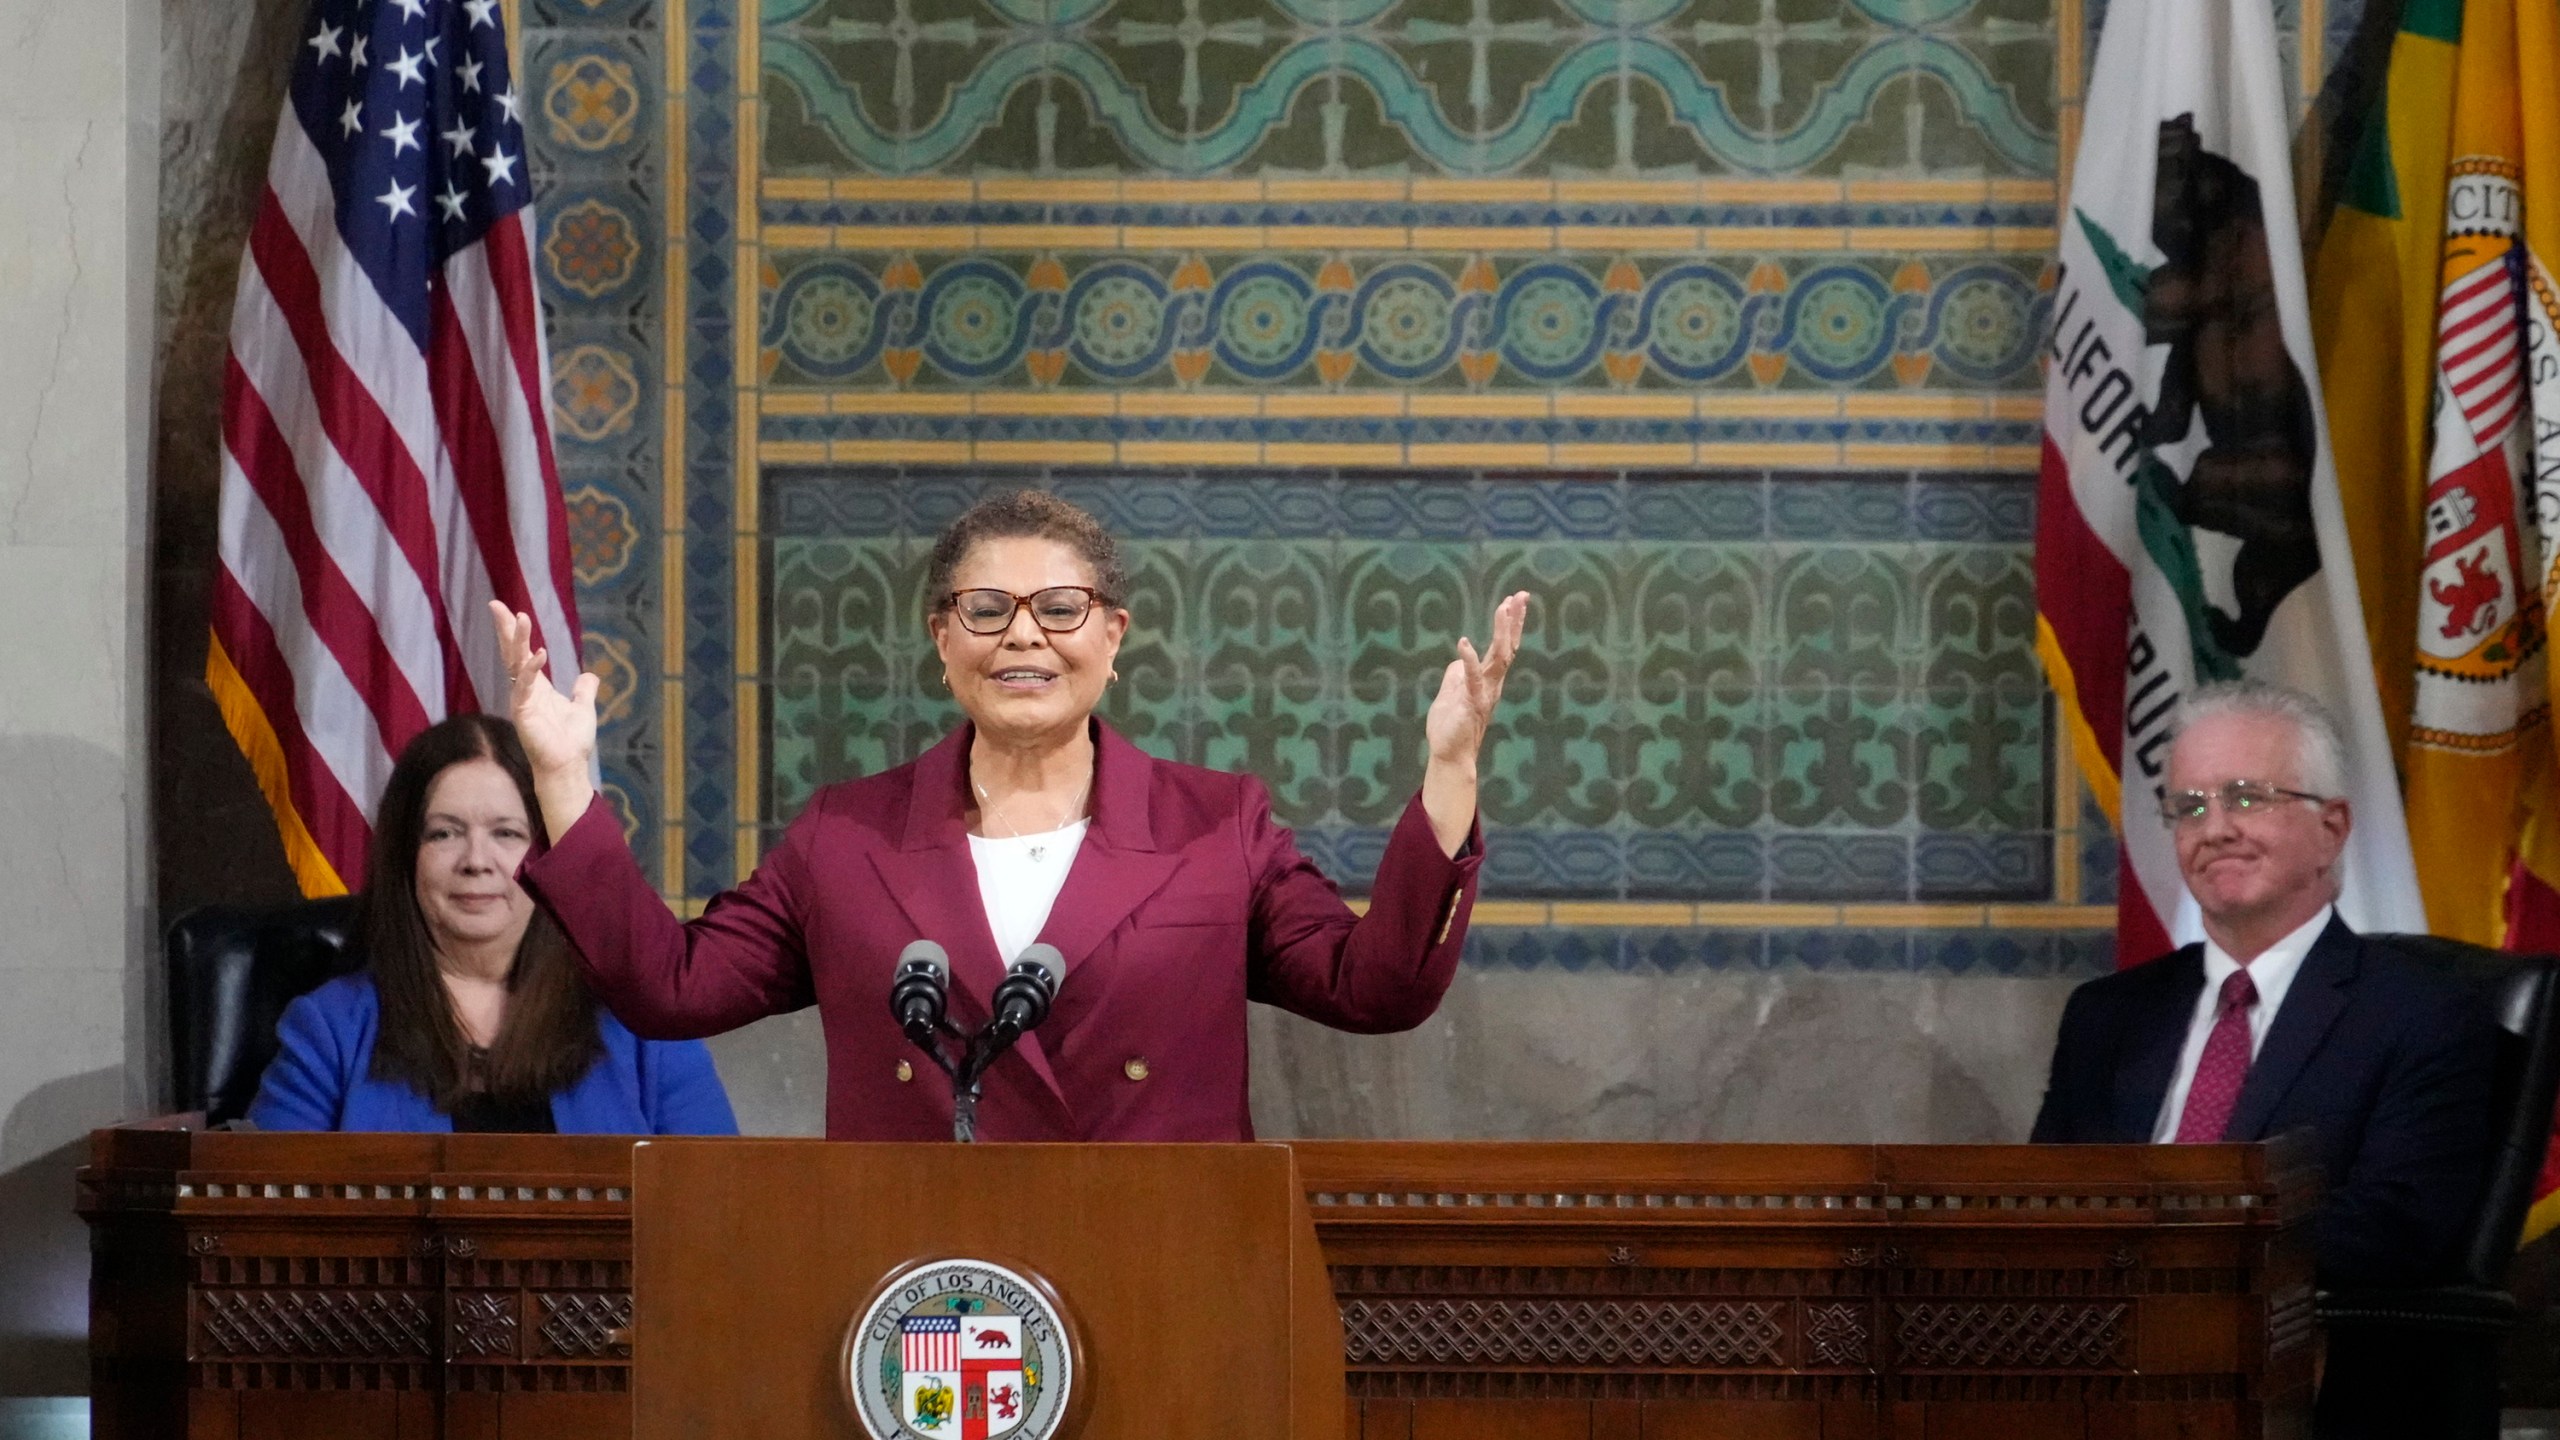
{"x": 387, "y": 438}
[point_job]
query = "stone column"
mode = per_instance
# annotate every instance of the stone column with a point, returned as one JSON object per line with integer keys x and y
{"x": 79, "y": 170}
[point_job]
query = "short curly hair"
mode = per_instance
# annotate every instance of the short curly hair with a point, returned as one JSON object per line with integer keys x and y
{"x": 1026, "y": 515}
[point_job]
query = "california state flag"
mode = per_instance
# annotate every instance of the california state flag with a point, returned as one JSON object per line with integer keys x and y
{"x": 2188, "y": 525}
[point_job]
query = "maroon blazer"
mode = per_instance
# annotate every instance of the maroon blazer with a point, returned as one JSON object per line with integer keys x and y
{"x": 1186, "y": 900}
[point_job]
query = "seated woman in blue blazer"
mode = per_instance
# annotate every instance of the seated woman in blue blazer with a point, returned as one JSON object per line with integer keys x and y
{"x": 472, "y": 1014}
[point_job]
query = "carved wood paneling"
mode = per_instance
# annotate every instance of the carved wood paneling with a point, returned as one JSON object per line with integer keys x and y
{"x": 1960, "y": 1336}
{"x": 537, "y": 1272}
{"x": 481, "y": 1324}
{"x": 1611, "y": 1282}
{"x": 313, "y": 1325}
{"x": 1759, "y": 1386}
{"x": 317, "y": 1264}
{"x": 218, "y": 1267}
{"x": 592, "y": 1325}
{"x": 555, "y": 1377}
{"x": 1562, "y": 1332}
{"x": 1836, "y": 1335}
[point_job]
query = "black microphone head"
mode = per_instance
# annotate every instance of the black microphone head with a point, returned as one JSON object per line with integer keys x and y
{"x": 1022, "y": 1000}
{"x": 925, "y": 952}
{"x": 919, "y": 990}
{"x": 1051, "y": 963}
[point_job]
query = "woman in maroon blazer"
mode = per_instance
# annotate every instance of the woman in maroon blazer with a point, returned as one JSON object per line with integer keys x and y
{"x": 1170, "y": 890}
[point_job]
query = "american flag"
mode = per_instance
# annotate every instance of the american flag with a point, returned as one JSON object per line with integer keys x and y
{"x": 387, "y": 464}
{"x": 930, "y": 1343}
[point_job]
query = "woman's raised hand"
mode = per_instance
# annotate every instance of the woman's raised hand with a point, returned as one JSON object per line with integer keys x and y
{"x": 558, "y": 731}
{"x": 1472, "y": 685}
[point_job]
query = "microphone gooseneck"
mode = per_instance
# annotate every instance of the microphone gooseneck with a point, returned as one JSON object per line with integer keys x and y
{"x": 920, "y": 1002}
{"x": 1021, "y": 1001}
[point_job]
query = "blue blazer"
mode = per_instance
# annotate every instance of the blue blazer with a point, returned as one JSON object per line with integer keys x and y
{"x": 321, "y": 1078}
{"x": 2387, "y": 1063}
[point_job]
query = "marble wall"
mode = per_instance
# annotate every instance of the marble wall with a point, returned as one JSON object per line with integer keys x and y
{"x": 1744, "y": 1056}
{"x": 79, "y": 146}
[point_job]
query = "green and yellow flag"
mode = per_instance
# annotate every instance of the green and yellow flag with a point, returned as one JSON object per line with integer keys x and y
{"x": 2373, "y": 314}
{"x": 2438, "y": 330}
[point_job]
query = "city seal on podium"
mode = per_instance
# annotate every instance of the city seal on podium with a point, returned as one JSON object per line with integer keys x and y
{"x": 960, "y": 1349}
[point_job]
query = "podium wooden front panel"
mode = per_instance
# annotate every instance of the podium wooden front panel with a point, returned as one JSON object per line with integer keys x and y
{"x": 250, "y": 1287}
{"x": 1179, "y": 1266}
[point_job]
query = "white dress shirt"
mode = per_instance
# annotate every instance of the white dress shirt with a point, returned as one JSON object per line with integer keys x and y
{"x": 1019, "y": 877}
{"x": 2272, "y": 972}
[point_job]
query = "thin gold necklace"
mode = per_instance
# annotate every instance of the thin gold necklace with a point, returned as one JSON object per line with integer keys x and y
{"x": 986, "y": 804}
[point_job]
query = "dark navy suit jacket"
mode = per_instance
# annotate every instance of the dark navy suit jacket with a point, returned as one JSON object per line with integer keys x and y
{"x": 2388, "y": 1063}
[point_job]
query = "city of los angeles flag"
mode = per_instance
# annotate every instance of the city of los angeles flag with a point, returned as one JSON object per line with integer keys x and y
{"x": 2436, "y": 326}
{"x": 2188, "y": 525}
{"x": 2437, "y": 316}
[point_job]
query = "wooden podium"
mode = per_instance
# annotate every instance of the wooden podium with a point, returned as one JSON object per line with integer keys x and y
{"x": 270, "y": 1287}
{"x": 1193, "y": 1291}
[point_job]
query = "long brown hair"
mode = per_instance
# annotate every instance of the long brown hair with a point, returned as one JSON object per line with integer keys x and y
{"x": 548, "y": 1039}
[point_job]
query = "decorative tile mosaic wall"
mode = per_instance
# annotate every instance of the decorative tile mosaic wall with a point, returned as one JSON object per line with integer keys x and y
{"x": 1715, "y": 322}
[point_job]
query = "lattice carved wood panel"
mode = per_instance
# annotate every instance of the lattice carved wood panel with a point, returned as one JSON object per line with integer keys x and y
{"x": 592, "y": 1325}
{"x": 335, "y": 1325}
{"x": 2011, "y": 1337}
{"x": 1563, "y": 1332}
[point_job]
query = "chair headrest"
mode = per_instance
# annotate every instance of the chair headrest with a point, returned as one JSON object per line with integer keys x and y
{"x": 2520, "y": 992}
{"x": 232, "y": 972}
{"x": 2516, "y": 984}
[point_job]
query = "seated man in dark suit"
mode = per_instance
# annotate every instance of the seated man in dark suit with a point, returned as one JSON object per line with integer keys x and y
{"x": 2284, "y": 1018}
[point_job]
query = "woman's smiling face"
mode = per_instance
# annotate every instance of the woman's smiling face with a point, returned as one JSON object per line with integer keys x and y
{"x": 1025, "y": 684}
{"x": 476, "y": 833}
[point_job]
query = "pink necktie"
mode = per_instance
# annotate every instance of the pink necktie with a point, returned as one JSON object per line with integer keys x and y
{"x": 2223, "y": 1066}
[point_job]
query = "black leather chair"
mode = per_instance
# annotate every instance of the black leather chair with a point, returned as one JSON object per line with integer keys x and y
{"x": 231, "y": 973}
{"x": 2447, "y": 1339}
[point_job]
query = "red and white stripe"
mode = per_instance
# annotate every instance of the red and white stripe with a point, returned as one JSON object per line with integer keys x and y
{"x": 2480, "y": 348}
{"x": 931, "y": 1351}
{"x": 377, "y": 495}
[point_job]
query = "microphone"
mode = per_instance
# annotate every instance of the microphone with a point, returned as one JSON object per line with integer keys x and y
{"x": 920, "y": 992}
{"x": 1023, "y": 998}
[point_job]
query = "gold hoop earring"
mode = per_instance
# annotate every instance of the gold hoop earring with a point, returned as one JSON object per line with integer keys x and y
{"x": 945, "y": 677}
{"x": 1114, "y": 680}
